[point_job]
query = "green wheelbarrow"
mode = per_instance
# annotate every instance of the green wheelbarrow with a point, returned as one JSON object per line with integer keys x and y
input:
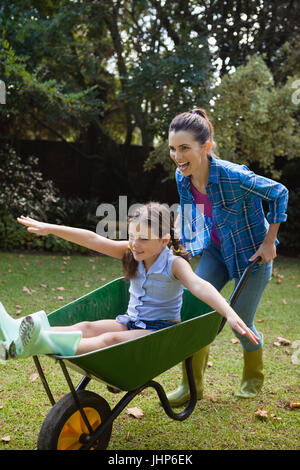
{"x": 82, "y": 419}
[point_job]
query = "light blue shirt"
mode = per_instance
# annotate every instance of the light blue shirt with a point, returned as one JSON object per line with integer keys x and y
{"x": 156, "y": 294}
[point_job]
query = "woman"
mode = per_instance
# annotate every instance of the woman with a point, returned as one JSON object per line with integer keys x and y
{"x": 223, "y": 219}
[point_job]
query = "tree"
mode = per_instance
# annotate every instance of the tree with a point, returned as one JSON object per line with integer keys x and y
{"x": 116, "y": 71}
{"x": 241, "y": 28}
{"x": 254, "y": 120}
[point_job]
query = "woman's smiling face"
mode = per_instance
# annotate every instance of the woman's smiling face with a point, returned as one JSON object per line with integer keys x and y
{"x": 185, "y": 151}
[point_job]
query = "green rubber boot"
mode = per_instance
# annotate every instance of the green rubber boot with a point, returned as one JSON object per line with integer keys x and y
{"x": 36, "y": 337}
{"x": 9, "y": 327}
{"x": 182, "y": 394}
{"x": 253, "y": 377}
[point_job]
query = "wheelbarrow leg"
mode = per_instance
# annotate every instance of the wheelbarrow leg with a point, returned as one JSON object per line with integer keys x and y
{"x": 83, "y": 383}
{"x": 193, "y": 395}
{"x": 43, "y": 379}
{"x": 74, "y": 394}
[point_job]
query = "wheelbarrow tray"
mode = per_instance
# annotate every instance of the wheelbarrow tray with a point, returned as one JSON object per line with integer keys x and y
{"x": 130, "y": 364}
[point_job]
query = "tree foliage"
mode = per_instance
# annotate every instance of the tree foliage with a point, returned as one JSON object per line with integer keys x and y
{"x": 117, "y": 71}
{"x": 254, "y": 119}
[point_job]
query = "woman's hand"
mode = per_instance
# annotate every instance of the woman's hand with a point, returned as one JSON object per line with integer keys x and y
{"x": 267, "y": 250}
{"x": 34, "y": 226}
{"x": 235, "y": 322}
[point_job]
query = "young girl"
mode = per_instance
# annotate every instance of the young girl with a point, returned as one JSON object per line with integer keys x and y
{"x": 156, "y": 273}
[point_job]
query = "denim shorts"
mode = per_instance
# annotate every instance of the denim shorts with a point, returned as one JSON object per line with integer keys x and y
{"x": 154, "y": 325}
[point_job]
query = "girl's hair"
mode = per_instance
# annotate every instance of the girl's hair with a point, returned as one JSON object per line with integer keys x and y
{"x": 159, "y": 218}
{"x": 198, "y": 123}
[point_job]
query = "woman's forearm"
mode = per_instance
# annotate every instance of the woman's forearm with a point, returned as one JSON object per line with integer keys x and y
{"x": 272, "y": 233}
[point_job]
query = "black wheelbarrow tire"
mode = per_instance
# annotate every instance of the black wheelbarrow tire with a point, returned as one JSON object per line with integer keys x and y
{"x": 64, "y": 427}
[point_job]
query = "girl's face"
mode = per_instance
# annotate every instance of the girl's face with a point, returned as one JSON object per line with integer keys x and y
{"x": 143, "y": 243}
{"x": 186, "y": 152}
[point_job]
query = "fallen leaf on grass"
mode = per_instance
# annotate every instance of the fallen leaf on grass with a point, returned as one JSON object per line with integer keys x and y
{"x": 261, "y": 414}
{"x": 276, "y": 418}
{"x": 235, "y": 340}
{"x": 60, "y": 288}
{"x": 294, "y": 405}
{"x": 260, "y": 321}
{"x": 281, "y": 342}
{"x": 135, "y": 412}
{"x": 209, "y": 364}
{"x": 28, "y": 291}
{"x": 44, "y": 286}
{"x": 33, "y": 377}
{"x": 60, "y": 297}
{"x": 284, "y": 301}
{"x": 5, "y": 439}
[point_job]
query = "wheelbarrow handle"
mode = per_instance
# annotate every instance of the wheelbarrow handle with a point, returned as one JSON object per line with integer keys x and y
{"x": 239, "y": 287}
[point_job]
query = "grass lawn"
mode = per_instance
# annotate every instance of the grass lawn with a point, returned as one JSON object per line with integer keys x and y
{"x": 30, "y": 282}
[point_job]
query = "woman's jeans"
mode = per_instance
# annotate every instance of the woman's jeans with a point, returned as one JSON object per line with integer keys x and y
{"x": 212, "y": 268}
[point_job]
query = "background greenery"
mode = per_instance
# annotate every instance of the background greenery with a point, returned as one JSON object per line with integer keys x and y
{"x": 110, "y": 74}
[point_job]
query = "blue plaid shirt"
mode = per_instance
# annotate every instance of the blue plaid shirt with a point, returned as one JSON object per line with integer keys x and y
{"x": 236, "y": 195}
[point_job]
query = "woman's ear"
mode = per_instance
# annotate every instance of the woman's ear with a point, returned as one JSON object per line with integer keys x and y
{"x": 207, "y": 146}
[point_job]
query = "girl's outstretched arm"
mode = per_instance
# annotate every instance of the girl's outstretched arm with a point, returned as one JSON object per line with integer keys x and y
{"x": 82, "y": 237}
{"x": 211, "y": 296}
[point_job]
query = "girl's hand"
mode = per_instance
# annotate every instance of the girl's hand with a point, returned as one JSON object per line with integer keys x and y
{"x": 235, "y": 322}
{"x": 34, "y": 226}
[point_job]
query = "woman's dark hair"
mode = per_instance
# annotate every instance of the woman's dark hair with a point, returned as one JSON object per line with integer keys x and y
{"x": 159, "y": 218}
{"x": 198, "y": 123}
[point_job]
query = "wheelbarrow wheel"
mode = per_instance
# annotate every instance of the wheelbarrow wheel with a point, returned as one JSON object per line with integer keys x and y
{"x": 64, "y": 427}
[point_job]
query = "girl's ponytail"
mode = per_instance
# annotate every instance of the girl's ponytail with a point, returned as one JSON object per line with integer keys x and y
{"x": 178, "y": 249}
{"x": 130, "y": 265}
